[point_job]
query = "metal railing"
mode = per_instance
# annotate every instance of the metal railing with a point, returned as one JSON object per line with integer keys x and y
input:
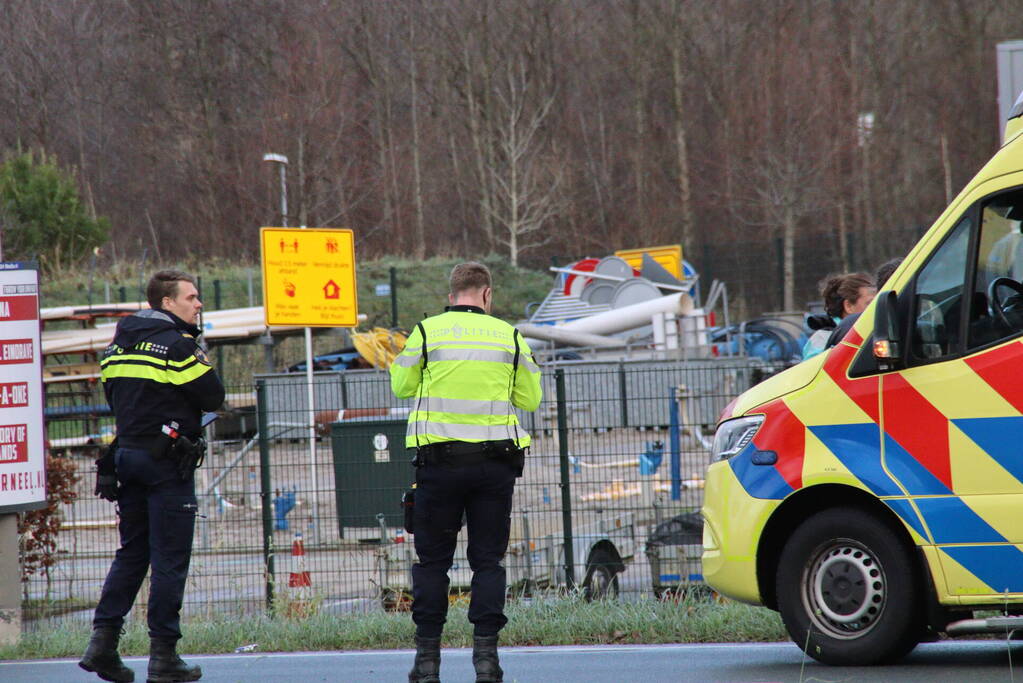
{"x": 618, "y": 447}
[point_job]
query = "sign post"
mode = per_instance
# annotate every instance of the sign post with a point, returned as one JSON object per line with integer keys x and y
{"x": 309, "y": 280}
{"x": 22, "y": 447}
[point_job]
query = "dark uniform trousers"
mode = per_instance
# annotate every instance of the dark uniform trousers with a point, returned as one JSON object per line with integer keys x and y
{"x": 483, "y": 491}
{"x": 157, "y": 520}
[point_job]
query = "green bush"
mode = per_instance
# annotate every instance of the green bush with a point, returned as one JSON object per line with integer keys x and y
{"x": 42, "y": 216}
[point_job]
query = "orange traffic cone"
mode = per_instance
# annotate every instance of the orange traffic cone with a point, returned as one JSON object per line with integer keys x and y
{"x": 299, "y": 577}
{"x": 299, "y": 604}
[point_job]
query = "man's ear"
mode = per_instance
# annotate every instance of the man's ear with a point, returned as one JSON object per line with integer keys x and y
{"x": 451, "y": 299}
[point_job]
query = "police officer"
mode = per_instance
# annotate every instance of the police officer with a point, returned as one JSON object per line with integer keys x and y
{"x": 465, "y": 370}
{"x": 158, "y": 380}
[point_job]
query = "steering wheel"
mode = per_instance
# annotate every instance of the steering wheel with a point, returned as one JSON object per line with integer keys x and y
{"x": 995, "y": 305}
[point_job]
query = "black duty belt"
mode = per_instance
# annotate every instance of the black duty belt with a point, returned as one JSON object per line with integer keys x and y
{"x": 145, "y": 443}
{"x": 462, "y": 453}
{"x": 158, "y": 445}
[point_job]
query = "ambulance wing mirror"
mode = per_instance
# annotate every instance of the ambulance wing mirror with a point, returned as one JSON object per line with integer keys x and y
{"x": 887, "y": 344}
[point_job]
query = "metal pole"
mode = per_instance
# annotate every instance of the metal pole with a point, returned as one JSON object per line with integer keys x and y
{"x": 284, "y": 194}
{"x": 676, "y": 445}
{"x": 566, "y": 490}
{"x": 264, "y": 492}
{"x": 623, "y": 397}
{"x": 282, "y": 162}
{"x": 315, "y": 494}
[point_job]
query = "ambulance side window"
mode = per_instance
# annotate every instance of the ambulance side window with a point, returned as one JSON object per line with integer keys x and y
{"x": 938, "y": 297}
{"x": 996, "y": 308}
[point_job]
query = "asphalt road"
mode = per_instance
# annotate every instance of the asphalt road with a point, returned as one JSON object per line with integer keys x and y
{"x": 946, "y": 662}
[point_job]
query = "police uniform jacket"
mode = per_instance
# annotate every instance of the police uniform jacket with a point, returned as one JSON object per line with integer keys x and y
{"x": 465, "y": 379}
{"x": 154, "y": 371}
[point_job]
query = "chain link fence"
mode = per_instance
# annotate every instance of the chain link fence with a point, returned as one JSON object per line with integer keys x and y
{"x": 618, "y": 449}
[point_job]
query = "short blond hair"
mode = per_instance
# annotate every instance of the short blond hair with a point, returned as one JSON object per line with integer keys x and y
{"x": 469, "y": 276}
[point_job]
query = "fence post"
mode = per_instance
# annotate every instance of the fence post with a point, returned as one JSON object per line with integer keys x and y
{"x": 566, "y": 489}
{"x": 264, "y": 492}
{"x": 623, "y": 398}
{"x": 674, "y": 430}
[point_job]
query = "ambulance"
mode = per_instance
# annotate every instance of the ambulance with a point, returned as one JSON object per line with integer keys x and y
{"x": 873, "y": 494}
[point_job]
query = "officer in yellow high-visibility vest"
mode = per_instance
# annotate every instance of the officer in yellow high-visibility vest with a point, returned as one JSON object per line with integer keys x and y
{"x": 466, "y": 370}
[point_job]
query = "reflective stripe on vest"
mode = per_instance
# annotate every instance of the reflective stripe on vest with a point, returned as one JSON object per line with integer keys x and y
{"x": 475, "y": 362}
{"x": 140, "y": 366}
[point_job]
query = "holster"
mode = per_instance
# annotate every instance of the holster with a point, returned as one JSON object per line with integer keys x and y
{"x": 408, "y": 506}
{"x": 188, "y": 455}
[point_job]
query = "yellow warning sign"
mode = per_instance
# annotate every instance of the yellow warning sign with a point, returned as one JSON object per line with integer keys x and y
{"x": 309, "y": 277}
{"x": 670, "y": 257}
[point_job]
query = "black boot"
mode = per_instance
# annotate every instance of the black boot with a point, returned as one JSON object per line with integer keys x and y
{"x": 484, "y": 658}
{"x": 101, "y": 656}
{"x": 427, "y": 666}
{"x": 165, "y": 666}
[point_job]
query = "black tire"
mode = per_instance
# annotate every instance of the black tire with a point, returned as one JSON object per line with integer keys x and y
{"x": 601, "y": 581}
{"x": 848, "y": 589}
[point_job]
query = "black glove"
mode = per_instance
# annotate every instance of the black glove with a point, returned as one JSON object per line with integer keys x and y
{"x": 106, "y": 474}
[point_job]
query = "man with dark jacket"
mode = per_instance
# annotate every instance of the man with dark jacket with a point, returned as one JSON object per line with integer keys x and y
{"x": 158, "y": 381}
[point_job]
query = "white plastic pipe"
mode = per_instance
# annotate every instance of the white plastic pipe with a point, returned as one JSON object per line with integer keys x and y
{"x": 636, "y": 315}
{"x": 557, "y": 333}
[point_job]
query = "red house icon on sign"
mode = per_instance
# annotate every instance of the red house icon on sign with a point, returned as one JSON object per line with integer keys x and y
{"x": 331, "y": 290}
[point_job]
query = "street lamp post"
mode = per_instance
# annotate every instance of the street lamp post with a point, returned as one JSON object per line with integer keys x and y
{"x": 282, "y": 163}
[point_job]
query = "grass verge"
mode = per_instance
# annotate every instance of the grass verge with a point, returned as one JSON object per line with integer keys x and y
{"x": 547, "y": 621}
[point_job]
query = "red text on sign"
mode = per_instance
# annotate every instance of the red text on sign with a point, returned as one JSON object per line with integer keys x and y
{"x": 13, "y": 443}
{"x": 18, "y": 308}
{"x": 13, "y": 394}
{"x": 16, "y": 351}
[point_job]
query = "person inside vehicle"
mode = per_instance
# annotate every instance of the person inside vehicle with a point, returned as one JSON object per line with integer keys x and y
{"x": 884, "y": 271}
{"x": 844, "y": 295}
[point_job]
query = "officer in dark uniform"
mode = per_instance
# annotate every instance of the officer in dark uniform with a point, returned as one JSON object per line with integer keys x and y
{"x": 158, "y": 380}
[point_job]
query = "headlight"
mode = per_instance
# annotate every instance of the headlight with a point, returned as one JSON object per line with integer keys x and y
{"x": 733, "y": 435}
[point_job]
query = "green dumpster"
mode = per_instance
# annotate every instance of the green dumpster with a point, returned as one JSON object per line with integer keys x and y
{"x": 371, "y": 470}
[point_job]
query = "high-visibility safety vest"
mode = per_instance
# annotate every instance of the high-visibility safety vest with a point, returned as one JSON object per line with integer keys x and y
{"x": 466, "y": 379}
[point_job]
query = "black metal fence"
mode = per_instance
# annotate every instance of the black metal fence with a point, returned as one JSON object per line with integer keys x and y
{"x": 618, "y": 448}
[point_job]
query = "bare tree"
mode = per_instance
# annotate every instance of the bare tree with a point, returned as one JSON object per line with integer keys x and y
{"x": 527, "y": 177}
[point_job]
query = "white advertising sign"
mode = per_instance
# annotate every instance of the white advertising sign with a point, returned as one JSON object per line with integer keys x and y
{"x": 22, "y": 447}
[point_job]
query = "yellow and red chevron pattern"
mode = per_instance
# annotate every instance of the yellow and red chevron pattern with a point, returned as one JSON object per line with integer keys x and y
{"x": 941, "y": 445}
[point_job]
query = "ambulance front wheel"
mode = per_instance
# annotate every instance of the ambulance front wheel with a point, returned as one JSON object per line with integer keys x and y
{"x": 847, "y": 589}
